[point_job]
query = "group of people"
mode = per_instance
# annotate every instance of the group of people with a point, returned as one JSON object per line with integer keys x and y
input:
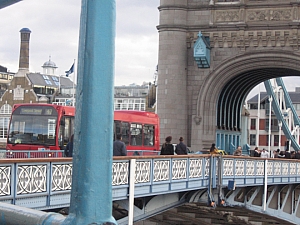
{"x": 119, "y": 147}
{"x": 168, "y": 149}
{"x": 261, "y": 153}
{"x": 276, "y": 154}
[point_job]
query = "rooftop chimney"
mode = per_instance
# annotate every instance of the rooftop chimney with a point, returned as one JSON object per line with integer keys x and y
{"x": 24, "y": 49}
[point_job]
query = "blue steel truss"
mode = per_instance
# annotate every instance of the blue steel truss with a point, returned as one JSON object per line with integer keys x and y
{"x": 5, "y": 3}
{"x": 277, "y": 108}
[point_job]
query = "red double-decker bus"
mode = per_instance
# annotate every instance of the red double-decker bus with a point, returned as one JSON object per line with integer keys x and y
{"x": 43, "y": 127}
{"x": 140, "y": 131}
{"x": 46, "y": 127}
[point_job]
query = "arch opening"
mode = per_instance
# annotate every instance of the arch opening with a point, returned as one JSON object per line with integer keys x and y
{"x": 233, "y": 95}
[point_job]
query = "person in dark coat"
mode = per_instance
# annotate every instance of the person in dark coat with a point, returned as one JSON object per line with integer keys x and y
{"x": 181, "y": 147}
{"x": 119, "y": 147}
{"x": 167, "y": 148}
{"x": 288, "y": 155}
{"x": 297, "y": 155}
{"x": 69, "y": 147}
{"x": 256, "y": 152}
{"x": 281, "y": 154}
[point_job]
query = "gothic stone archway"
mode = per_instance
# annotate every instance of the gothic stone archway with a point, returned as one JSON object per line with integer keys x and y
{"x": 247, "y": 38}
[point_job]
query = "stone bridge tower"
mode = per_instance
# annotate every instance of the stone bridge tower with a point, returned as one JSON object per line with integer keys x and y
{"x": 249, "y": 41}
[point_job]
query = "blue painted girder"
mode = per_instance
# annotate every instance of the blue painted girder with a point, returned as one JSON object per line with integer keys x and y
{"x": 5, "y": 3}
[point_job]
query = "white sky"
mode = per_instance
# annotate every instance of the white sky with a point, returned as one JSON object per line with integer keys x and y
{"x": 54, "y": 29}
{"x": 290, "y": 84}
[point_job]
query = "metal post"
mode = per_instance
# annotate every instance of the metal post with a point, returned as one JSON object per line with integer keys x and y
{"x": 265, "y": 186}
{"x": 91, "y": 195}
{"x": 73, "y": 81}
{"x": 258, "y": 118}
{"x": 280, "y": 128}
{"x": 270, "y": 123}
{"x": 131, "y": 191}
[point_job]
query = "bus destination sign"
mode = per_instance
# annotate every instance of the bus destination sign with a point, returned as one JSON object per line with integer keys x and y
{"x": 31, "y": 111}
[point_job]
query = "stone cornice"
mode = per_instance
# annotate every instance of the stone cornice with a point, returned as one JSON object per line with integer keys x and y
{"x": 172, "y": 7}
{"x": 244, "y": 39}
{"x": 172, "y": 27}
{"x": 231, "y": 5}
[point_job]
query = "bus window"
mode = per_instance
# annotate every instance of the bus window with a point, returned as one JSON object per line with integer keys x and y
{"x": 125, "y": 133}
{"x": 117, "y": 129}
{"x": 26, "y": 129}
{"x": 66, "y": 129}
{"x": 121, "y": 128}
{"x": 136, "y": 134}
{"x": 69, "y": 129}
{"x": 148, "y": 135}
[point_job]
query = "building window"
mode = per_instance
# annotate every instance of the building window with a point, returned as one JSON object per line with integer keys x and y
{"x": 4, "y": 123}
{"x": 253, "y": 124}
{"x": 5, "y": 112}
{"x": 276, "y": 140}
{"x": 274, "y": 125}
{"x": 136, "y": 134}
{"x": 5, "y": 109}
{"x": 252, "y": 139}
{"x": 267, "y": 140}
{"x": 117, "y": 106}
{"x": 130, "y": 106}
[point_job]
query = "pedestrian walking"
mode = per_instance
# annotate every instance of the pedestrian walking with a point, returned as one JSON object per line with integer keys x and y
{"x": 181, "y": 148}
{"x": 167, "y": 148}
{"x": 69, "y": 147}
{"x": 119, "y": 147}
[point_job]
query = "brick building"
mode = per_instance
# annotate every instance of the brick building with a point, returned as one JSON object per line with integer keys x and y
{"x": 259, "y": 132}
{"x": 26, "y": 87}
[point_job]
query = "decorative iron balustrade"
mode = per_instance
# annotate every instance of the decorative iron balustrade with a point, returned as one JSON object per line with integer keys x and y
{"x": 46, "y": 183}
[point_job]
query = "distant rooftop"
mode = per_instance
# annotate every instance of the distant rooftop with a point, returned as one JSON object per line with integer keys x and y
{"x": 49, "y": 80}
{"x": 3, "y": 69}
{"x": 49, "y": 64}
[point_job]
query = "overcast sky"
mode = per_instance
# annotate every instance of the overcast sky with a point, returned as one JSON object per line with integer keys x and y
{"x": 54, "y": 29}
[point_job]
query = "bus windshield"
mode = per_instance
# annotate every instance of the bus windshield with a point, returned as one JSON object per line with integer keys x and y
{"x": 33, "y": 126}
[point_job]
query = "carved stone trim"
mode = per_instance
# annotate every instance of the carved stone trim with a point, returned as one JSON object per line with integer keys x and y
{"x": 227, "y": 16}
{"x": 275, "y": 38}
{"x": 197, "y": 120}
{"x": 284, "y": 14}
{"x": 254, "y": 15}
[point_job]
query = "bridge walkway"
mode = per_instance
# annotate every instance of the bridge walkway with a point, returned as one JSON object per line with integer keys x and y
{"x": 160, "y": 183}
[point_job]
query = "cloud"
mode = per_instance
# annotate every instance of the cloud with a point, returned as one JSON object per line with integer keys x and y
{"x": 55, "y": 32}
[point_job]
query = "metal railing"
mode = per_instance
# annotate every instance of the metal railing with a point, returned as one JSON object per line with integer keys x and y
{"x": 31, "y": 154}
{"x": 59, "y": 153}
{"x": 142, "y": 152}
{"x": 153, "y": 175}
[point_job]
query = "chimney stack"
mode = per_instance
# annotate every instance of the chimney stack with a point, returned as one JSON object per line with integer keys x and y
{"x": 24, "y": 50}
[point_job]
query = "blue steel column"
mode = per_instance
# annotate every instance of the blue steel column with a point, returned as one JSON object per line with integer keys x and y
{"x": 91, "y": 195}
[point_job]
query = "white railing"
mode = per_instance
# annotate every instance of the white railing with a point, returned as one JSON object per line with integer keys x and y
{"x": 50, "y": 179}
